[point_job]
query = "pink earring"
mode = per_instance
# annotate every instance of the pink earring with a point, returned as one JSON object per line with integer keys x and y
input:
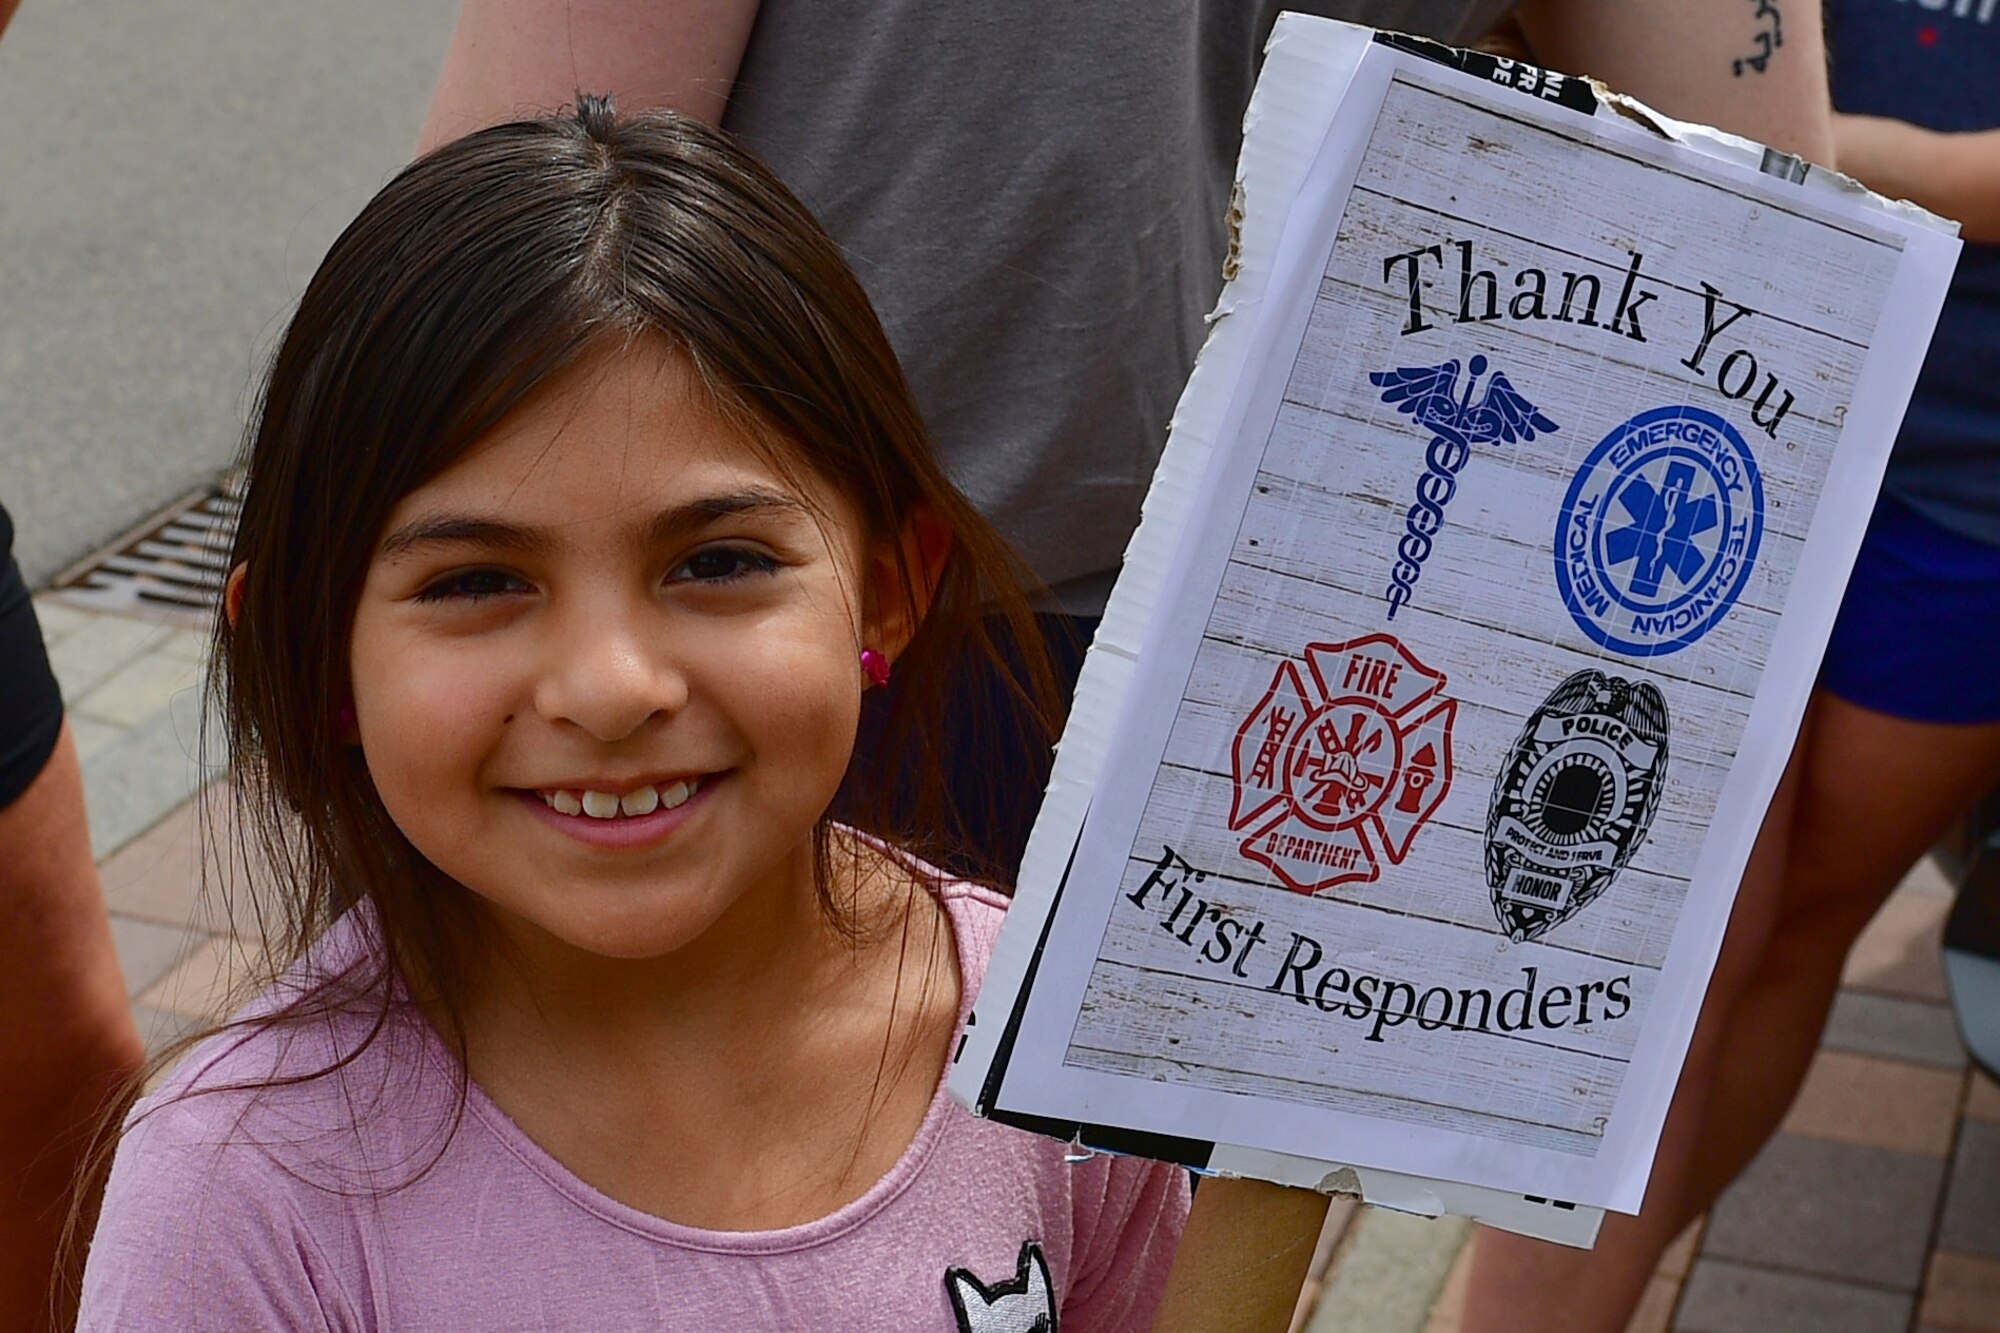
{"x": 875, "y": 667}
{"x": 347, "y": 715}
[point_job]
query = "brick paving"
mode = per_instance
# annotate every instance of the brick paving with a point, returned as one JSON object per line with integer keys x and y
{"x": 1876, "y": 1208}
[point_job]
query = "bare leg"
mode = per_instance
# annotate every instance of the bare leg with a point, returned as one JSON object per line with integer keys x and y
{"x": 1878, "y": 792}
{"x": 1517, "y": 1283}
{"x": 67, "y": 1037}
{"x": 1867, "y": 794}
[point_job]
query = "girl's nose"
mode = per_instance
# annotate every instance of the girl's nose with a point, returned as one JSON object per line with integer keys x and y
{"x": 609, "y": 680}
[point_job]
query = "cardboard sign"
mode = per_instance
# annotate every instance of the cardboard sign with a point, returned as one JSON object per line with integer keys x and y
{"x": 1476, "y": 605}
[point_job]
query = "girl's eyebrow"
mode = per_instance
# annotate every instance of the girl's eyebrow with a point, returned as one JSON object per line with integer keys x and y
{"x": 449, "y": 529}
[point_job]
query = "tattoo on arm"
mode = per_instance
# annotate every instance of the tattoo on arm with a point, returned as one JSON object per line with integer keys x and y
{"x": 1770, "y": 35}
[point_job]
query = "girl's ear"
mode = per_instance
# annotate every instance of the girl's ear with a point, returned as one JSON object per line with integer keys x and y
{"x": 903, "y": 577}
{"x": 232, "y": 594}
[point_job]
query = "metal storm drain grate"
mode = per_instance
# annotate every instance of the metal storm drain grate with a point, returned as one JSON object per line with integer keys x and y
{"x": 171, "y": 567}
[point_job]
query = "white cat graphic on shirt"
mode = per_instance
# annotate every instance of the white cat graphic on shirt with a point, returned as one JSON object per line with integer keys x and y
{"x": 1025, "y": 1303}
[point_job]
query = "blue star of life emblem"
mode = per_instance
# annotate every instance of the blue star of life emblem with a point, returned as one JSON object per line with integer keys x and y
{"x": 1666, "y": 522}
{"x": 1659, "y": 533}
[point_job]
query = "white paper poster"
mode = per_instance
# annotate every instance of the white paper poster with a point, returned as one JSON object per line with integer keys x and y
{"x": 1475, "y": 609}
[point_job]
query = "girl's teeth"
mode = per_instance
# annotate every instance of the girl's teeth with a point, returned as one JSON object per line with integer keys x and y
{"x": 603, "y": 805}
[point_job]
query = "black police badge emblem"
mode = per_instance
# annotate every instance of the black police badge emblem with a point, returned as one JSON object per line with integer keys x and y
{"x": 1574, "y": 799}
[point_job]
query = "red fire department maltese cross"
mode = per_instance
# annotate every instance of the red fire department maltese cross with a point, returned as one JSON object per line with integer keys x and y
{"x": 1341, "y": 763}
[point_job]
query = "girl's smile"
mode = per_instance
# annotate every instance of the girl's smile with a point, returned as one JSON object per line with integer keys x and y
{"x": 605, "y": 665}
{"x": 619, "y": 817}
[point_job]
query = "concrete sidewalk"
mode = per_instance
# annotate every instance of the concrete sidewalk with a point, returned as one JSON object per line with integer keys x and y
{"x": 1877, "y": 1210}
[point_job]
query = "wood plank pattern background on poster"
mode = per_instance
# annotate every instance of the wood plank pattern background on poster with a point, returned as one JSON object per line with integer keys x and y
{"x": 1213, "y": 973}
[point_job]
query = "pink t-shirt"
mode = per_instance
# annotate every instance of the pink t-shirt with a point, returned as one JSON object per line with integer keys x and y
{"x": 232, "y": 1211}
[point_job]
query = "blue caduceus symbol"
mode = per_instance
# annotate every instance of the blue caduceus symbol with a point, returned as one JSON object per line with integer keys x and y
{"x": 1430, "y": 395}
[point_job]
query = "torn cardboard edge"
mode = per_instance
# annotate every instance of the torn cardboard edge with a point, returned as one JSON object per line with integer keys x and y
{"x": 1310, "y": 65}
{"x": 1727, "y": 147}
{"x": 1592, "y": 97}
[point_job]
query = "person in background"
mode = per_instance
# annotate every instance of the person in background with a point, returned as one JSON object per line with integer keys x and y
{"x": 1034, "y": 197}
{"x": 66, "y": 1035}
{"x": 1903, "y": 734}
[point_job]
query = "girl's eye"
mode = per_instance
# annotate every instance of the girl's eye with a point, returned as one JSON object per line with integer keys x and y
{"x": 471, "y": 585}
{"x": 722, "y": 564}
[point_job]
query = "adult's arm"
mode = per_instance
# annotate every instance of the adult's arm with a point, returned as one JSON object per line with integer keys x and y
{"x": 1953, "y": 175}
{"x": 1698, "y": 60}
{"x": 510, "y": 58}
{"x": 67, "y": 1040}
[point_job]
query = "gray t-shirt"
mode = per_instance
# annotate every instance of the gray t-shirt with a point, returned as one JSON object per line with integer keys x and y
{"x": 1034, "y": 197}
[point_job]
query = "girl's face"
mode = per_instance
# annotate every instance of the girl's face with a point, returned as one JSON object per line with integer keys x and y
{"x": 605, "y": 665}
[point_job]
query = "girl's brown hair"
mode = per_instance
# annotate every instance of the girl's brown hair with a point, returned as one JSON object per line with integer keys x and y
{"x": 477, "y": 275}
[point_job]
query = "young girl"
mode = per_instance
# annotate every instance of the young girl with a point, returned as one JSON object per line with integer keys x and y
{"x": 585, "y": 503}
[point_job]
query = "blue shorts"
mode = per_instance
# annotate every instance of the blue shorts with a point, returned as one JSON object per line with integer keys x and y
{"x": 1918, "y": 635}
